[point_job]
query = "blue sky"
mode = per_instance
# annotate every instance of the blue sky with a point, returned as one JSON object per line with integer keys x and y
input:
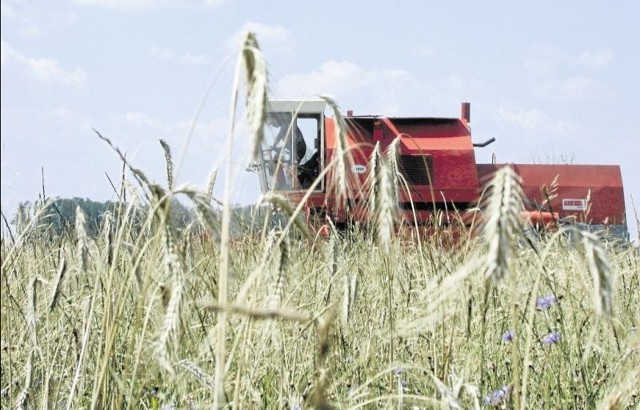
{"x": 551, "y": 81}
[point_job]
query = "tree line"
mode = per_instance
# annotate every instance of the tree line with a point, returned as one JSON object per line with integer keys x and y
{"x": 59, "y": 215}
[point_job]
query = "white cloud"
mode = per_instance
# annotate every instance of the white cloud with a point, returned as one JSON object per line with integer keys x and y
{"x": 46, "y": 70}
{"x": 175, "y": 129}
{"x": 534, "y": 119}
{"x": 531, "y": 118}
{"x": 167, "y": 54}
{"x": 594, "y": 58}
{"x": 540, "y": 61}
{"x": 271, "y": 38}
{"x": 72, "y": 119}
{"x": 544, "y": 60}
{"x": 570, "y": 89}
{"x": 146, "y": 4}
{"x": 161, "y": 53}
{"x": 31, "y": 31}
{"x": 195, "y": 59}
{"x": 333, "y": 77}
{"x": 426, "y": 51}
{"x": 384, "y": 91}
{"x": 144, "y": 120}
{"x": 561, "y": 76}
{"x": 32, "y": 21}
{"x": 125, "y": 4}
{"x": 7, "y": 10}
{"x": 338, "y": 78}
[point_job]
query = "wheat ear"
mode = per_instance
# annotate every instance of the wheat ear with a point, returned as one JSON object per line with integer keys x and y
{"x": 171, "y": 325}
{"x": 62, "y": 269}
{"x": 601, "y": 275}
{"x": 341, "y": 171}
{"x": 257, "y": 86}
{"x": 169, "y": 163}
{"x": 502, "y": 205}
{"x": 82, "y": 239}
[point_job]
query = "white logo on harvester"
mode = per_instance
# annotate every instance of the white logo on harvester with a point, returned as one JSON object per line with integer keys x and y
{"x": 574, "y": 204}
{"x": 358, "y": 169}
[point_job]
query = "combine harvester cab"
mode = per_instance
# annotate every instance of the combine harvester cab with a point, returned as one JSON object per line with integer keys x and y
{"x": 436, "y": 159}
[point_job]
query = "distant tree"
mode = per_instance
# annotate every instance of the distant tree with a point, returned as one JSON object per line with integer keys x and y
{"x": 60, "y": 215}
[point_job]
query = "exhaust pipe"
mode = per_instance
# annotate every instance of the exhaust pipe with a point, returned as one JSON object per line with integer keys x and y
{"x": 465, "y": 111}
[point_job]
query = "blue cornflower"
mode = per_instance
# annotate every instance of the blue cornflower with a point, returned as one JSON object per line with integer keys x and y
{"x": 398, "y": 371}
{"x": 404, "y": 383}
{"x": 508, "y": 336}
{"x": 545, "y": 302}
{"x": 495, "y": 397}
{"x": 551, "y": 338}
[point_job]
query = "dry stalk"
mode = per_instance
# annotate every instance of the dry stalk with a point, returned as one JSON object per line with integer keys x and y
{"x": 278, "y": 285}
{"x": 283, "y": 204}
{"x": 82, "y": 240}
{"x": 168, "y": 338}
{"x": 169, "y": 163}
{"x": 62, "y": 269}
{"x": 271, "y": 314}
{"x": 257, "y": 87}
{"x": 601, "y": 275}
{"x": 502, "y": 207}
{"x": 21, "y": 400}
{"x": 197, "y": 372}
{"x": 340, "y": 184}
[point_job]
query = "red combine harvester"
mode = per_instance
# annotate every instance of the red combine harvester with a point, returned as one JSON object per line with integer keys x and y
{"x": 437, "y": 161}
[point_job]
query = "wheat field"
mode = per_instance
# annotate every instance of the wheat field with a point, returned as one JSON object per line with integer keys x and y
{"x": 149, "y": 314}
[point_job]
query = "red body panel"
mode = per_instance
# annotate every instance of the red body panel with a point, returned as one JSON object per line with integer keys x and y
{"x": 591, "y": 194}
{"x": 446, "y": 141}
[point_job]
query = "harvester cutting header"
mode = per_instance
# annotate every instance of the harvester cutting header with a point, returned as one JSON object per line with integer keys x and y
{"x": 436, "y": 160}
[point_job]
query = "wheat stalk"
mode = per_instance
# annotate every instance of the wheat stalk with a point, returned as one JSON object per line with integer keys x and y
{"x": 270, "y": 314}
{"x": 174, "y": 267}
{"x": 373, "y": 179}
{"x": 318, "y": 398}
{"x": 62, "y": 269}
{"x": 169, "y": 162}
{"x": 197, "y": 372}
{"x": 388, "y": 198}
{"x": 280, "y": 281}
{"x": 283, "y": 204}
{"x": 601, "y": 275}
{"x": 382, "y": 184}
{"x": 206, "y": 214}
{"x": 348, "y": 301}
{"x": 257, "y": 86}
{"x": 21, "y": 400}
{"x": 344, "y": 160}
{"x": 252, "y": 61}
{"x": 107, "y": 235}
{"x": 82, "y": 239}
{"x": 138, "y": 174}
{"x": 502, "y": 207}
{"x": 211, "y": 182}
